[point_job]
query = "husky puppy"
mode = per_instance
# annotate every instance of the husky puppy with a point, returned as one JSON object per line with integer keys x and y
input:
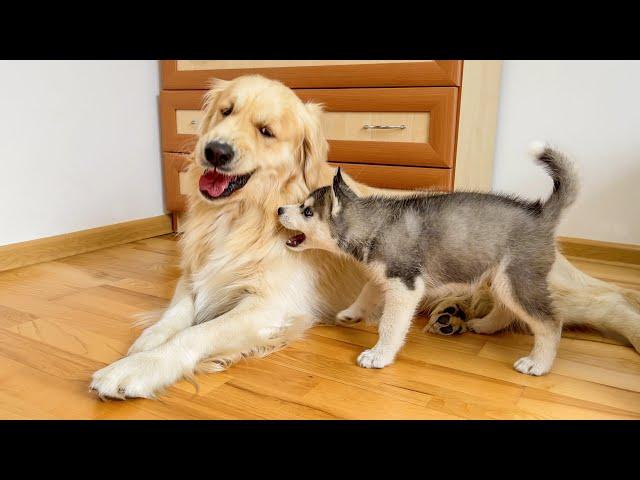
{"x": 423, "y": 243}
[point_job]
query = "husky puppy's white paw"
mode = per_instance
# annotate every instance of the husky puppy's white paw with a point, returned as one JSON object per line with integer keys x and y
{"x": 529, "y": 366}
{"x": 374, "y": 358}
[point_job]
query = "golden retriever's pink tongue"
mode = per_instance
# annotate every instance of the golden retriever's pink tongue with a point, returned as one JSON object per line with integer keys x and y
{"x": 214, "y": 183}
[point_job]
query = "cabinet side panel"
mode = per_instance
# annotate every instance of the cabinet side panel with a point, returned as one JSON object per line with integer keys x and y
{"x": 477, "y": 124}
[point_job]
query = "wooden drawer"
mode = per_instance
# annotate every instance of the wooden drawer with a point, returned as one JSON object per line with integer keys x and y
{"x": 179, "y": 116}
{"x": 428, "y": 116}
{"x": 195, "y": 74}
{"x": 404, "y": 178}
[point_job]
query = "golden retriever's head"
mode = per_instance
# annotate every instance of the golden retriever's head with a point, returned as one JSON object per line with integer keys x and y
{"x": 256, "y": 137}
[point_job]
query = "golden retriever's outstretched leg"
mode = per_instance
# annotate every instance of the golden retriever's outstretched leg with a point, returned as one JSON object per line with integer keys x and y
{"x": 363, "y": 307}
{"x": 583, "y": 300}
{"x": 579, "y": 300}
{"x": 242, "y": 329}
{"x": 448, "y": 315}
{"x": 178, "y": 316}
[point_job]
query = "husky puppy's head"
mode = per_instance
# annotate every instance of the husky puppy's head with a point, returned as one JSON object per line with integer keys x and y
{"x": 321, "y": 219}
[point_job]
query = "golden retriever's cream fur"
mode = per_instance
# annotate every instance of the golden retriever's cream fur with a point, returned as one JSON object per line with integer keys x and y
{"x": 242, "y": 291}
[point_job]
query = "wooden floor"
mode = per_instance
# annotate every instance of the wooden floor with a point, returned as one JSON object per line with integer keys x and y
{"x": 62, "y": 320}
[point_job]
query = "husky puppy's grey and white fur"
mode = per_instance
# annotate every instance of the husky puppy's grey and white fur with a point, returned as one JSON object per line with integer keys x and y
{"x": 427, "y": 242}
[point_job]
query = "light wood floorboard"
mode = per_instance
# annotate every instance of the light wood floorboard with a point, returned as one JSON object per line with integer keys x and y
{"x": 62, "y": 320}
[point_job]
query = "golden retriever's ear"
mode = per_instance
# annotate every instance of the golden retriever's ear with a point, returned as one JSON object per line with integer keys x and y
{"x": 314, "y": 145}
{"x": 216, "y": 86}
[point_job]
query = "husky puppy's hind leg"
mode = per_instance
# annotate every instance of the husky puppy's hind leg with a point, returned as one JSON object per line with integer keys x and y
{"x": 526, "y": 294}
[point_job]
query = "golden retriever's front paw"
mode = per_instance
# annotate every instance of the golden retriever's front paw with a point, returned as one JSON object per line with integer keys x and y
{"x": 149, "y": 339}
{"x": 350, "y": 316}
{"x": 139, "y": 375}
{"x": 447, "y": 320}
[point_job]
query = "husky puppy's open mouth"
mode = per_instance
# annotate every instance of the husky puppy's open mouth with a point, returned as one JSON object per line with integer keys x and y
{"x": 296, "y": 240}
{"x": 214, "y": 184}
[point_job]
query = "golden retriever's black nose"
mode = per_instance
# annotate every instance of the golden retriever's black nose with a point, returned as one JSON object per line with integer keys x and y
{"x": 218, "y": 154}
{"x": 280, "y": 210}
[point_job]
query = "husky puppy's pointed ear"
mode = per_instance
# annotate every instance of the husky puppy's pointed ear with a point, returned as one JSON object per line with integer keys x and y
{"x": 341, "y": 190}
{"x": 341, "y": 193}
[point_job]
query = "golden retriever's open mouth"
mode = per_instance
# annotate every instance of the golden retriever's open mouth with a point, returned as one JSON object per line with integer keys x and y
{"x": 296, "y": 240}
{"x": 214, "y": 184}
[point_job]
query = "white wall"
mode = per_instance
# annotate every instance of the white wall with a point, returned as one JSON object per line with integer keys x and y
{"x": 79, "y": 146}
{"x": 590, "y": 109}
{"x": 79, "y": 143}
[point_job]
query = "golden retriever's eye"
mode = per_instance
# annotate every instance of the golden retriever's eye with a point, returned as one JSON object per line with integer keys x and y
{"x": 308, "y": 212}
{"x": 266, "y": 132}
{"x": 226, "y": 111}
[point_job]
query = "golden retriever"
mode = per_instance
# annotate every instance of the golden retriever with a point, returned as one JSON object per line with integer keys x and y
{"x": 242, "y": 292}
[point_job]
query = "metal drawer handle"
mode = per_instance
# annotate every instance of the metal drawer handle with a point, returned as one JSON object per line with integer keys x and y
{"x": 384, "y": 127}
{"x": 193, "y": 122}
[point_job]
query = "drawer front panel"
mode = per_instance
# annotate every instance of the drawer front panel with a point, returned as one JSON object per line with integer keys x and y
{"x": 349, "y": 126}
{"x": 403, "y": 178}
{"x": 428, "y": 116}
{"x": 196, "y": 74}
{"x": 180, "y": 113}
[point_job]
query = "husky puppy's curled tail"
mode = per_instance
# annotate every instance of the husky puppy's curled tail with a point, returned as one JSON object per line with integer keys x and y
{"x": 564, "y": 176}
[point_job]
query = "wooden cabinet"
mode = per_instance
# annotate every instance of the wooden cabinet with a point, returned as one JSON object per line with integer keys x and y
{"x": 393, "y": 124}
